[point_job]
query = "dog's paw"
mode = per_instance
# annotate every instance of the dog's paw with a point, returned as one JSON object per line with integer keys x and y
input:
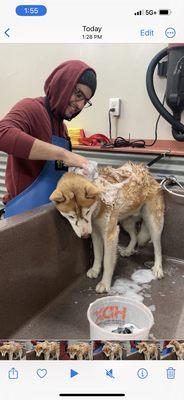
{"x": 126, "y": 252}
{"x": 158, "y": 272}
{"x": 92, "y": 273}
{"x": 102, "y": 287}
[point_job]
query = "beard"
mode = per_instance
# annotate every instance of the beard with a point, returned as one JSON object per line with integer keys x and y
{"x": 73, "y": 114}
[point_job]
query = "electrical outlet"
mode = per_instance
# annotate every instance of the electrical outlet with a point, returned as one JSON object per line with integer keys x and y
{"x": 115, "y": 103}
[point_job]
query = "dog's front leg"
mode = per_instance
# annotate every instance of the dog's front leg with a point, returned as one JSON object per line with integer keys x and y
{"x": 110, "y": 255}
{"x": 20, "y": 354}
{"x": 98, "y": 253}
{"x": 57, "y": 354}
{"x": 46, "y": 355}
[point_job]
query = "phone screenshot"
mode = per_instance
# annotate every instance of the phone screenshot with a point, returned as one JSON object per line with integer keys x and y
{"x": 91, "y": 200}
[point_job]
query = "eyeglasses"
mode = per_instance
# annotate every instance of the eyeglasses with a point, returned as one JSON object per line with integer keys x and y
{"x": 80, "y": 96}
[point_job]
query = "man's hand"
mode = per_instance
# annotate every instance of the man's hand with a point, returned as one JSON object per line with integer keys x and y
{"x": 47, "y": 151}
{"x": 74, "y": 160}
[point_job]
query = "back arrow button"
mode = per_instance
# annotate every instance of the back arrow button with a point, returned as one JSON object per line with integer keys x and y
{"x": 6, "y": 32}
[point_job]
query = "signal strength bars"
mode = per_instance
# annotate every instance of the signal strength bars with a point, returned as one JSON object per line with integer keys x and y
{"x": 141, "y": 12}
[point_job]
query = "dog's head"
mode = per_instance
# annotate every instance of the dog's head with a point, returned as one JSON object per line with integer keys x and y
{"x": 142, "y": 347}
{"x": 72, "y": 351}
{"x": 4, "y": 349}
{"x": 76, "y": 199}
{"x": 107, "y": 349}
{"x": 39, "y": 348}
{"x": 173, "y": 344}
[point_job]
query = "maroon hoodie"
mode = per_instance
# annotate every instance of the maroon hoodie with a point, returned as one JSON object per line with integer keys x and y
{"x": 29, "y": 120}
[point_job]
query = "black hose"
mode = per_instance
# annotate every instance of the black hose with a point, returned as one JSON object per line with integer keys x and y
{"x": 177, "y": 127}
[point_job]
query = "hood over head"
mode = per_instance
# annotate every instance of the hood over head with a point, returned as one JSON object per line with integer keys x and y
{"x": 60, "y": 84}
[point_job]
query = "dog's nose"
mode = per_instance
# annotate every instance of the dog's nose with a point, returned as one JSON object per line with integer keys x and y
{"x": 85, "y": 236}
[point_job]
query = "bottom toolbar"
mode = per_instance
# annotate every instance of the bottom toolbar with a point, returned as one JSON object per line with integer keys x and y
{"x": 132, "y": 380}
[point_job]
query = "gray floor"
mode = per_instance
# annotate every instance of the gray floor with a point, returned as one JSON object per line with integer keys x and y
{"x": 66, "y": 316}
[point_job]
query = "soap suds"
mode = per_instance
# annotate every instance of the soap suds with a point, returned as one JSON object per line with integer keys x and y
{"x": 132, "y": 288}
{"x": 127, "y": 288}
{"x": 143, "y": 276}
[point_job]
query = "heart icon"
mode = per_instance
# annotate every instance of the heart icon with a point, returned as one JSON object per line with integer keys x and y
{"x": 41, "y": 372}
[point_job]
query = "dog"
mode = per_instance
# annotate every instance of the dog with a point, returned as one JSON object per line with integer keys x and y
{"x": 127, "y": 194}
{"x": 49, "y": 350}
{"x": 178, "y": 348}
{"x": 79, "y": 351}
{"x": 149, "y": 350}
{"x": 113, "y": 350}
{"x": 14, "y": 350}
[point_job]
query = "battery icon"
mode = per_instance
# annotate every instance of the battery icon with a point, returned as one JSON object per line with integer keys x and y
{"x": 164, "y": 12}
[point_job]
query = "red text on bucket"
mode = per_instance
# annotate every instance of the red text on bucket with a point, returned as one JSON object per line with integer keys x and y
{"x": 110, "y": 312}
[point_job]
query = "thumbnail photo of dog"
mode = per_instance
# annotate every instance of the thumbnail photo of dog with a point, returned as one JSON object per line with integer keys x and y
{"x": 50, "y": 350}
{"x": 177, "y": 347}
{"x": 113, "y": 350}
{"x": 11, "y": 350}
{"x": 149, "y": 350}
{"x": 79, "y": 350}
{"x": 121, "y": 196}
{"x": 110, "y": 350}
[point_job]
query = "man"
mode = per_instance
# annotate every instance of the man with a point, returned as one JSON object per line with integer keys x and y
{"x": 33, "y": 132}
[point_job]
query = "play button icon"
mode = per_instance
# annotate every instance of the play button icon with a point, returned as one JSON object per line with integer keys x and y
{"x": 73, "y": 373}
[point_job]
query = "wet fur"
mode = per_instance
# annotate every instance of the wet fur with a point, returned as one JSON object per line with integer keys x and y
{"x": 14, "y": 350}
{"x": 79, "y": 351}
{"x": 113, "y": 350}
{"x": 49, "y": 350}
{"x": 149, "y": 350}
{"x": 178, "y": 348}
{"x": 91, "y": 209}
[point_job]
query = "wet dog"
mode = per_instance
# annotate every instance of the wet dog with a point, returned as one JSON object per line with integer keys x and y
{"x": 149, "y": 350}
{"x": 127, "y": 195}
{"x": 13, "y": 349}
{"x": 50, "y": 350}
{"x": 79, "y": 351}
{"x": 113, "y": 350}
{"x": 178, "y": 348}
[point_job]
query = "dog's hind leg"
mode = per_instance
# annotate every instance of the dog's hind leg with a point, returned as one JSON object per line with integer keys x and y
{"x": 110, "y": 255}
{"x": 129, "y": 225}
{"x": 143, "y": 236}
{"x": 155, "y": 227}
{"x": 98, "y": 254}
{"x": 120, "y": 354}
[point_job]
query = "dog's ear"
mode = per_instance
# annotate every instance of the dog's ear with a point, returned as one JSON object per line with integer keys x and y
{"x": 60, "y": 197}
{"x": 91, "y": 192}
{"x": 57, "y": 196}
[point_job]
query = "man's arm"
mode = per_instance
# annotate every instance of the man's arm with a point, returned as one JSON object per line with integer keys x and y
{"x": 45, "y": 151}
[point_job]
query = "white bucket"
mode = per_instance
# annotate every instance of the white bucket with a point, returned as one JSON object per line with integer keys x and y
{"x": 108, "y": 313}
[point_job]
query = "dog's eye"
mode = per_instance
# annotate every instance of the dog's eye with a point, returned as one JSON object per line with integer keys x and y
{"x": 71, "y": 216}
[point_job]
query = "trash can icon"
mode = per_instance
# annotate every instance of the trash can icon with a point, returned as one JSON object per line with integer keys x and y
{"x": 170, "y": 373}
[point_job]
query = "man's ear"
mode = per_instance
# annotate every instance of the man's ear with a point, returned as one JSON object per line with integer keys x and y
{"x": 91, "y": 192}
{"x": 57, "y": 196}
